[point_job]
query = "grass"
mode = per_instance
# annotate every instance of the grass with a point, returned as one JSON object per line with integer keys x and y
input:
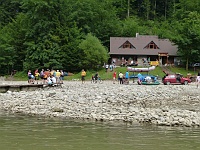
{"x": 21, "y": 76}
{"x": 108, "y": 75}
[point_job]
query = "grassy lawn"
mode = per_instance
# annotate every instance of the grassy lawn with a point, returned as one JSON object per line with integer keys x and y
{"x": 108, "y": 75}
{"x": 21, "y": 76}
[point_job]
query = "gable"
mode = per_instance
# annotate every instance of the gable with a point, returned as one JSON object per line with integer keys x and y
{"x": 151, "y": 45}
{"x": 127, "y": 44}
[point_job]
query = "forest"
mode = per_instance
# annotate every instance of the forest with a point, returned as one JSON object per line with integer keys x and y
{"x": 75, "y": 34}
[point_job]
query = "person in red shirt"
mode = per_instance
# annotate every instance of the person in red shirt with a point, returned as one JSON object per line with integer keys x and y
{"x": 114, "y": 77}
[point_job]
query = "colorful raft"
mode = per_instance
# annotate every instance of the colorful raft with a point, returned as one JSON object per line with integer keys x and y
{"x": 141, "y": 69}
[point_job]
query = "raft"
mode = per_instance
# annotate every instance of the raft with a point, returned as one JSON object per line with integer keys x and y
{"x": 150, "y": 83}
{"x": 141, "y": 69}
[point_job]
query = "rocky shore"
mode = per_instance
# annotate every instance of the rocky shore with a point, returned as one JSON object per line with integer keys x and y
{"x": 169, "y": 105}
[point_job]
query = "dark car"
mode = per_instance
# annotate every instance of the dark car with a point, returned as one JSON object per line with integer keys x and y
{"x": 196, "y": 65}
{"x": 175, "y": 79}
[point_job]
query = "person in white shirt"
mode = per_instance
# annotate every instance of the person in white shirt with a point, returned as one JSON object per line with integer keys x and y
{"x": 198, "y": 81}
{"x": 49, "y": 81}
{"x": 53, "y": 79}
{"x": 148, "y": 79}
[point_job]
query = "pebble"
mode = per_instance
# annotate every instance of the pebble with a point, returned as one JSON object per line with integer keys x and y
{"x": 166, "y": 105}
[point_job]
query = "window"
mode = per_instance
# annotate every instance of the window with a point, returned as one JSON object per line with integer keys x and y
{"x": 127, "y": 44}
{"x": 151, "y": 45}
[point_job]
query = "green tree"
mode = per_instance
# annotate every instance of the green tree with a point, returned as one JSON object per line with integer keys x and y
{"x": 12, "y": 39}
{"x": 94, "y": 53}
{"x": 9, "y": 9}
{"x": 187, "y": 37}
{"x": 49, "y": 38}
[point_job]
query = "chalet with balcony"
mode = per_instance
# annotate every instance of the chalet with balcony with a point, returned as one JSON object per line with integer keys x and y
{"x": 125, "y": 50}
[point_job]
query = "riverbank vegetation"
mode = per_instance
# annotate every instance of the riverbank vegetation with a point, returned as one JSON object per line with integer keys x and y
{"x": 70, "y": 36}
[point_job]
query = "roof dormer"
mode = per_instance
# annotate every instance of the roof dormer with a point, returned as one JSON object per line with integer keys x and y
{"x": 151, "y": 45}
{"x": 127, "y": 44}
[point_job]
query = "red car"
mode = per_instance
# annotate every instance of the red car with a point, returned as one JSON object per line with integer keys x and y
{"x": 175, "y": 79}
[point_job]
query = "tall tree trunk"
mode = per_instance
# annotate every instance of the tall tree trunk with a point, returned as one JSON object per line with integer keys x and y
{"x": 174, "y": 6}
{"x": 155, "y": 10}
{"x": 128, "y": 11}
{"x": 165, "y": 10}
{"x": 187, "y": 63}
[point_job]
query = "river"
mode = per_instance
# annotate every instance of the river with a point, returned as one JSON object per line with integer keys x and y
{"x": 34, "y": 133}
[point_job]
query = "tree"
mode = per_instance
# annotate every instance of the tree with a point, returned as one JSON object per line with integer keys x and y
{"x": 187, "y": 37}
{"x": 94, "y": 53}
{"x": 9, "y": 9}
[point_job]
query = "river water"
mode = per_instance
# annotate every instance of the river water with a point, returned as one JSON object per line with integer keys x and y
{"x": 33, "y": 133}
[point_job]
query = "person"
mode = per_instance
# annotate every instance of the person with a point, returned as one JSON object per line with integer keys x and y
{"x": 92, "y": 81}
{"x": 178, "y": 77}
{"x": 53, "y": 79}
{"x": 121, "y": 78}
{"x": 61, "y": 76}
{"x": 37, "y": 75}
{"x": 127, "y": 77}
{"x": 148, "y": 79}
{"x": 49, "y": 81}
{"x": 46, "y": 74}
{"x": 155, "y": 78}
{"x": 96, "y": 76}
{"x": 140, "y": 78}
{"x": 58, "y": 76}
{"x": 189, "y": 75}
{"x": 42, "y": 75}
{"x": 111, "y": 67}
{"x": 30, "y": 77}
{"x": 83, "y": 74}
{"x": 114, "y": 77}
{"x": 198, "y": 80}
{"x": 107, "y": 67}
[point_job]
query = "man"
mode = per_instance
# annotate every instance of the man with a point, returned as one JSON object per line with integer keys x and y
{"x": 58, "y": 76}
{"x": 121, "y": 78}
{"x": 83, "y": 74}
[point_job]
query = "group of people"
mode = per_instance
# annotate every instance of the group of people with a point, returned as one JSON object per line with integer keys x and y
{"x": 46, "y": 76}
{"x": 95, "y": 78}
{"x": 122, "y": 78}
{"x": 111, "y": 67}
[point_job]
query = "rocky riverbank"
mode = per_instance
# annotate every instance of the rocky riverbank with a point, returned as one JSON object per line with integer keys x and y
{"x": 173, "y": 105}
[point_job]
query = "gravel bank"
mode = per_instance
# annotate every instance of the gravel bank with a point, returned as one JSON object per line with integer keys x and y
{"x": 173, "y": 105}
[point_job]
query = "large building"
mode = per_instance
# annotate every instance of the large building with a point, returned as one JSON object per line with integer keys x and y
{"x": 140, "y": 48}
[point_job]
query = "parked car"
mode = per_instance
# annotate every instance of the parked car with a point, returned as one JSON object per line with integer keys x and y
{"x": 175, "y": 79}
{"x": 196, "y": 65}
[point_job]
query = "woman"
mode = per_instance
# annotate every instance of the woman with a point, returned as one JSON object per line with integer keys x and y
{"x": 30, "y": 77}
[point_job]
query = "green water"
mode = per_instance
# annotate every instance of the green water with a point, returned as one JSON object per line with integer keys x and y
{"x": 31, "y": 133}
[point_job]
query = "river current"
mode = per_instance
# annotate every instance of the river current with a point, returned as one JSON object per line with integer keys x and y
{"x": 34, "y": 133}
